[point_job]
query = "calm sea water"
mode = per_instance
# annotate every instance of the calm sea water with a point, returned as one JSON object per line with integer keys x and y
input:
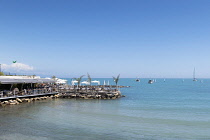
{"x": 170, "y": 110}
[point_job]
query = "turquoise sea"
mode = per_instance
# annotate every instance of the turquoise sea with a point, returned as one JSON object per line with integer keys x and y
{"x": 176, "y": 109}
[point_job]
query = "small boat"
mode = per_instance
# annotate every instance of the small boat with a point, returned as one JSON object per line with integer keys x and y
{"x": 150, "y": 81}
{"x": 137, "y": 80}
{"x": 194, "y": 79}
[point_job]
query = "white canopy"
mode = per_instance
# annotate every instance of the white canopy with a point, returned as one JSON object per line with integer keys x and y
{"x": 95, "y": 81}
{"x": 61, "y": 81}
{"x": 73, "y": 82}
{"x": 86, "y": 82}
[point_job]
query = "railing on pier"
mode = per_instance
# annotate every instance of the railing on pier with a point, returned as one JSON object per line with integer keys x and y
{"x": 59, "y": 89}
{"x": 8, "y": 93}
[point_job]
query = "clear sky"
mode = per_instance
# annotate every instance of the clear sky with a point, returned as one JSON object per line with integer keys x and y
{"x": 134, "y": 38}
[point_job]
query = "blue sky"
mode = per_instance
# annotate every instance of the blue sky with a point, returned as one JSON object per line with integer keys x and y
{"x": 134, "y": 38}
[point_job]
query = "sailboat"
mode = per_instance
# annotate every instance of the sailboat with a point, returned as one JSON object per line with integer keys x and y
{"x": 194, "y": 79}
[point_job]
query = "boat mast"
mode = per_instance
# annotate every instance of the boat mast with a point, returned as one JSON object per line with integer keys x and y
{"x": 194, "y": 79}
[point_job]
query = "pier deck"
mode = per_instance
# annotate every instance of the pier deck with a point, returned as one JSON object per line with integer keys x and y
{"x": 27, "y": 96}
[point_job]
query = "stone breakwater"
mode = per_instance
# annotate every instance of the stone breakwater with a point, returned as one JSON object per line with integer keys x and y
{"x": 24, "y": 100}
{"x": 89, "y": 95}
{"x": 69, "y": 95}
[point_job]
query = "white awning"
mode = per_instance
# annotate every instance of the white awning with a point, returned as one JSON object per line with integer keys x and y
{"x": 98, "y": 82}
{"x": 85, "y": 82}
{"x": 19, "y": 81}
{"x": 60, "y": 81}
{"x": 73, "y": 82}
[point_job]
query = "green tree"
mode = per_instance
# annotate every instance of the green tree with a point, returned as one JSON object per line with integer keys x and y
{"x": 116, "y": 80}
{"x": 79, "y": 80}
{"x": 89, "y": 78}
{"x": 1, "y": 74}
{"x": 89, "y": 81}
{"x": 53, "y": 77}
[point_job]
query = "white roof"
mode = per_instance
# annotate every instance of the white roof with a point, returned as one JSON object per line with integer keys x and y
{"x": 60, "y": 81}
{"x": 16, "y": 81}
{"x": 85, "y": 82}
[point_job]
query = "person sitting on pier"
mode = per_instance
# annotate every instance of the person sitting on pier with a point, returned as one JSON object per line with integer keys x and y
{"x": 49, "y": 89}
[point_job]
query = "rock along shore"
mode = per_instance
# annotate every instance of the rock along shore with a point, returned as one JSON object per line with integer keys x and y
{"x": 90, "y": 95}
{"x": 24, "y": 100}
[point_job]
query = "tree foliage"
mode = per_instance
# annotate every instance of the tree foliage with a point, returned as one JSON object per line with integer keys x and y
{"x": 89, "y": 78}
{"x": 1, "y": 74}
{"x": 79, "y": 79}
{"x": 116, "y": 79}
{"x": 53, "y": 77}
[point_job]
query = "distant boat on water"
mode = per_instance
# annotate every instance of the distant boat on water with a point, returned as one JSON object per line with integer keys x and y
{"x": 150, "y": 81}
{"x": 137, "y": 80}
{"x": 194, "y": 79}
